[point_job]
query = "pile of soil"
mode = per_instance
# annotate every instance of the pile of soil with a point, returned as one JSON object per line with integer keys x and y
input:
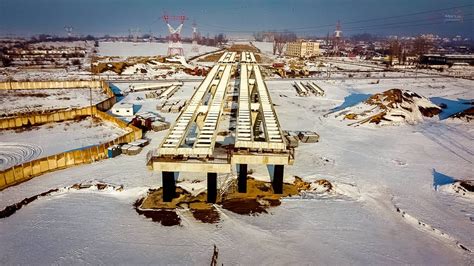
{"x": 466, "y": 115}
{"x": 391, "y": 107}
{"x": 243, "y": 48}
{"x": 167, "y": 217}
{"x": 211, "y": 57}
{"x": 257, "y": 200}
{"x": 152, "y": 206}
{"x": 395, "y": 98}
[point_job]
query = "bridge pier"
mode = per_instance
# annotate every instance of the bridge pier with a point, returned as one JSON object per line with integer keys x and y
{"x": 277, "y": 182}
{"x": 169, "y": 186}
{"x": 211, "y": 187}
{"x": 242, "y": 179}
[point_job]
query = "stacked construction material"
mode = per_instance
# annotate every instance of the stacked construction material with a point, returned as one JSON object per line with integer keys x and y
{"x": 301, "y": 89}
{"x": 305, "y": 90}
{"x": 162, "y": 94}
{"x": 315, "y": 89}
{"x": 153, "y": 86}
{"x": 173, "y": 106}
{"x": 125, "y": 147}
{"x": 308, "y": 136}
{"x": 292, "y": 138}
{"x": 134, "y": 150}
{"x": 160, "y": 105}
{"x": 140, "y": 142}
{"x": 160, "y": 126}
{"x": 166, "y": 94}
{"x": 152, "y": 94}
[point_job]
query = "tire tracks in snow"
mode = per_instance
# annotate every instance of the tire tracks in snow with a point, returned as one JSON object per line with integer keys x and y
{"x": 14, "y": 153}
{"x": 430, "y": 229}
{"x": 435, "y": 132}
{"x": 384, "y": 199}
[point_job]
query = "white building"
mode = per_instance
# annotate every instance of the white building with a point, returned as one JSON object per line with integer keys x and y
{"x": 123, "y": 109}
{"x": 302, "y": 48}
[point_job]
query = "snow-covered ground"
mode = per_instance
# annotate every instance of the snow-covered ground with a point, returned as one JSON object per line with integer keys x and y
{"x": 143, "y": 104}
{"x": 126, "y": 49}
{"x": 15, "y": 101}
{"x": 54, "y": 138}
{"x": 264, "y": 47}
{"x": 388, "y": 210}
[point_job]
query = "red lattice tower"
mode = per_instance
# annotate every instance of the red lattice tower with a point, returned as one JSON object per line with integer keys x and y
{"x": 175, "y": 47}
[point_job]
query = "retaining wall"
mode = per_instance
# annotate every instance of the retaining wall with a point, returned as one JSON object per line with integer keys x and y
{"x": 32, "y": 85}
{"x": 23, "y": 172}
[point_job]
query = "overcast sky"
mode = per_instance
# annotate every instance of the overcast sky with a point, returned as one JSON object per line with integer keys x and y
{"x": 236, "y": 17}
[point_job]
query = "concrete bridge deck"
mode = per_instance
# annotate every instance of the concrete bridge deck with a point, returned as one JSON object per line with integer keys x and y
{"x": 192, "y": 143}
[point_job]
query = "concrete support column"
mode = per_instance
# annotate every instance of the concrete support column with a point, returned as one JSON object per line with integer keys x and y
{"x": 277, "y": 182}
{"x": 211, "y": 187}
{"x": 242, "y": 179}
{"x": 169, "y": 186}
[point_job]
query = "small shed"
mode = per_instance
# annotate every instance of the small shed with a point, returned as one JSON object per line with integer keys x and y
{"x": 123, "y": 109}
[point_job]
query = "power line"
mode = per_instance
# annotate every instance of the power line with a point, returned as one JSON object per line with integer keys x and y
{"x": 397, "y": 23}
{"x": 299, "y": 29}
{"x": 412, "y": 25}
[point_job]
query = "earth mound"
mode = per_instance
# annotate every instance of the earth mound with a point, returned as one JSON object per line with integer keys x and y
{"x": 466, "y": 115}
{"x": 391, "y": 107}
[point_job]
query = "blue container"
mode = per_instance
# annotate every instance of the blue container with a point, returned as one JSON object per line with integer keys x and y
{"x": 110, "y": 152}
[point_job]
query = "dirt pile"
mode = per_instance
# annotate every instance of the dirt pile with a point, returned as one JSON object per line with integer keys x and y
{"x": 465, "y": 188}
{"x": 391, "y": 107}
{"x": 153, "y": 207}
{"x": 466, "y": 115}
{"x": 243, "y": 48}
{"x": 257, "y": 200}
{"x": 211, "y": 57}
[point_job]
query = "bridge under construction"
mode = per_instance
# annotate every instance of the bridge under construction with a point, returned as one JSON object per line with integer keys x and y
{"x": 229, "y": 121}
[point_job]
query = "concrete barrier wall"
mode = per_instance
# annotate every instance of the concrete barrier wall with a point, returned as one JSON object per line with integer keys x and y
{"x": 43, "y": 118}
{"x": 32, "y": 85}
{"x": 58, "y": 116}
{"x": 76, "y": 84}
{"x": 26, "y": 171}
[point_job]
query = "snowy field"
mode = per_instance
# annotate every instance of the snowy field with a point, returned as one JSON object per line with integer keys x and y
{"x": 54, "y": 138}
{"x": 142, "y": 104}
{"x": 16, "y": 101}
{"x": 126, "y": 49}
{"x": 376, "y": 171}
{"x": 265, "y": 47}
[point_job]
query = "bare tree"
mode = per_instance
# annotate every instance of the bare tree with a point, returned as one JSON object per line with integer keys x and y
{"x": 280, "y": 39}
